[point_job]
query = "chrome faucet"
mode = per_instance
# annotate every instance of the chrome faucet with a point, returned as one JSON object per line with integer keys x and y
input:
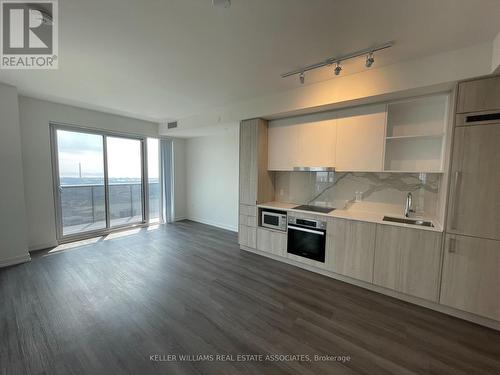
{"x": 408, "y": 205}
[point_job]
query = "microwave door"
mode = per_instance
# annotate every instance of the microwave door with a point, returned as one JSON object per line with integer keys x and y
{"x": 270, "y": 220}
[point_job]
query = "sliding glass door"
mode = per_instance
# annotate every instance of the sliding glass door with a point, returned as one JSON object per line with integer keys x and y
{"x": 82, "y": 202}
{"x": 100, "y": 181}
{"x": 125, "y": 182}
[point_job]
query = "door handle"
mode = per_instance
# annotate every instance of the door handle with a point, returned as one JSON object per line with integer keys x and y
{"x": 455, "y": 199}
{"x": 452, "y": 246}
{"x": 293, "y": 227}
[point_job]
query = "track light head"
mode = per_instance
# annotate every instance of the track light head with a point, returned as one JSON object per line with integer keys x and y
{"x": 337, "y": 69}
{"x": 302, "y": 78}
{"x": 369, "y": 60}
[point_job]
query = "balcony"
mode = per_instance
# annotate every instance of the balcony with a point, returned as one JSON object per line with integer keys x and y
{"x": 83, "y": 206}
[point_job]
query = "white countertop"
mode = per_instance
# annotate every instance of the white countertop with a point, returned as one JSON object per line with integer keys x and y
{"x": 352, "y": 214}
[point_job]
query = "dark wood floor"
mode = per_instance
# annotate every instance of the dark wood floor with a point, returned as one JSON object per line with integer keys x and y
{"x": 186, "y": 289}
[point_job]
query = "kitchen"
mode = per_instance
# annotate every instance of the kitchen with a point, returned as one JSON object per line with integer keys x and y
{"x": 397, "y": 197}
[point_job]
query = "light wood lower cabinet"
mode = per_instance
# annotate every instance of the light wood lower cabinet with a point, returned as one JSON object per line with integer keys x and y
{"x": 350, "y": 247}
{"x": 408, "y": 261}
{"x": 271, "y": 241}
{"x": 471, "y": 275}
{"x": 249, "y": 221}
{"x": 248, "y": 209}
{"x": 248, "y": 215}
{"x": 247, "y": 236}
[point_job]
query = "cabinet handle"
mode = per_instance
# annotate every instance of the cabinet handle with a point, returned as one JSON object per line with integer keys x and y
{"x": 455, "y": 199}
{"x": 452, "y": 246}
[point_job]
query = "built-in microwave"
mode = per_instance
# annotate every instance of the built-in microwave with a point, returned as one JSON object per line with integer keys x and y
{"x": 273, "y": 219}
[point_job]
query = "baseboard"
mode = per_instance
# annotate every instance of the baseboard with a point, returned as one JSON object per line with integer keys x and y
{"x": 42, "y": 247}
{"x": 490, "y": 323}
{"x": 213, "y": 223}
{"x": 180, "y": 218}
{"x": 15, "y": 260}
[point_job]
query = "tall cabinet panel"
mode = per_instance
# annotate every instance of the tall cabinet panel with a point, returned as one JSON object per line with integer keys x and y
{"x": 256, "y": 183}
{"x": 248, "y": 161}
{"x": 474, "y": 207}
{"x": 265, "y": 178}
{"x": 471, "y": 263}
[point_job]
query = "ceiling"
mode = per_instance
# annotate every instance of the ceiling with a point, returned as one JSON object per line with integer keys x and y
{"x": 169, "y": 59}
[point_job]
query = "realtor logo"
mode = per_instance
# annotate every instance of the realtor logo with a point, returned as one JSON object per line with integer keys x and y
{"x": 29, "y": 37}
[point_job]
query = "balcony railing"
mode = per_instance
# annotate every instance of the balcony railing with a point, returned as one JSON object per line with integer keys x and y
{"x": 85, "y": 204}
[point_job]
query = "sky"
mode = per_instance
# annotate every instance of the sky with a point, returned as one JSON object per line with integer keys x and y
{"x": 124, "y": 156}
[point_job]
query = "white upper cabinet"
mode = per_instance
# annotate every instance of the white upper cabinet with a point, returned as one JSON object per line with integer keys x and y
{"x": 317, "y": 142}
{"x": 402, "y": 136}
{"x": 283, "y": 144}
{"x": 349, "y": 140}
{"x": 360, "y": 138}
{"x": 307, "y": 144}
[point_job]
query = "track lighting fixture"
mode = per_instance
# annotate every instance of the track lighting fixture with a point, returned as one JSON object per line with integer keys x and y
{"x": 338, "y": 68}
{"x": 369, "y": 60}
{"x": 369, "y": 52}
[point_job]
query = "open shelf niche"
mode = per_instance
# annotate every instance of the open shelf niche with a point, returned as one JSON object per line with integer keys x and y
{"x": 415, "y": 135}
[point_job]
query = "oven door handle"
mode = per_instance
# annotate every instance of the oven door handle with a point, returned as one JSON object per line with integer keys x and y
{"x": 306, "y": 230}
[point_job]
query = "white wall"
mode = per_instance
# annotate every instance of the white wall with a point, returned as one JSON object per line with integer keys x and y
{"x": 13, "y": 244}
{"x": 35, "y": 116}
{"x": 212, "y": 165}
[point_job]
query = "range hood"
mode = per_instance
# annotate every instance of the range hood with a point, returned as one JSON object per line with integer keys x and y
{"x": 314, "y": 169}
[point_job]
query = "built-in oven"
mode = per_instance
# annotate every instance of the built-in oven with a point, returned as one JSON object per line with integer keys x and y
{"x": 273, "y": 219}
{"x": 306, "y": 238}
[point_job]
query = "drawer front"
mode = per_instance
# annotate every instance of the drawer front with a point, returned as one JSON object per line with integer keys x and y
{"x": 271, "y": 241}
{"x": 250, "y": 221}
{"x": 248, "y": 210}
{"x": 247, "y": 236}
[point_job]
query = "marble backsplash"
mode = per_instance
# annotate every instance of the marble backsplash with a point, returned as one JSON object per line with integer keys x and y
{"x": 375, "y": 191}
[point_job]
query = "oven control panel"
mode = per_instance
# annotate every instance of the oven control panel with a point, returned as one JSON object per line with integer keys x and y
{"x": 309, "y": 223}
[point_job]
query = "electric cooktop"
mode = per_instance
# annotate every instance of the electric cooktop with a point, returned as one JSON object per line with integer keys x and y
{"x": 323, "y": 210}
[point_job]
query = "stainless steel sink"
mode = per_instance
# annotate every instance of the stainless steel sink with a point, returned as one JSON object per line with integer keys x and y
{"x": 419, "y": 222}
